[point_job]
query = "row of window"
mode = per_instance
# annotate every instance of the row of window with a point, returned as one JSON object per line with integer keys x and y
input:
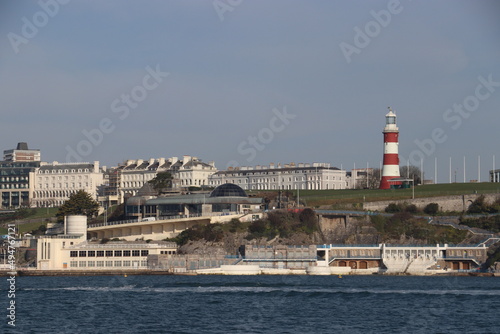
{"x": 463, "y": 252}
{"x": 102, "y": 264}
{"x": 189, "y": 182}
{"x": 53, "y": 171}
{"x": 109, "y": 253}
{"x": 13, "y": 178}
{"x": 356, "y": 252}
{"x": 132, "y": 184}
{"x": 66, "y": 178}
{"x": 168, "y": 252}
{"x": 309, "y": 171}
{"x": 60, "y": 185}
{"x": 14, "y": 186}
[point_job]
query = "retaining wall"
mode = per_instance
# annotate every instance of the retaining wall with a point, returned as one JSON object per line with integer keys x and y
{"x": 446, "y": 203}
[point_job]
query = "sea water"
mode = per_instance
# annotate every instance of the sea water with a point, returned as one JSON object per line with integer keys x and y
{"x": 256, "y": 304}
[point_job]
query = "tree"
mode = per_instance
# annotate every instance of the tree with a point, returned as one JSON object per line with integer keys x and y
{"x": 368, "y": 179}
{"x": 161, "y": 181}
{"x": 80, "y": 203}
{"x": 411, "y": 172}
{"x": 309, "y": 220}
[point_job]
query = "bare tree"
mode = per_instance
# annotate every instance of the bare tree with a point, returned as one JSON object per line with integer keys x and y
{"x": 369, "y": 179}
{"x": 411, "y": 172}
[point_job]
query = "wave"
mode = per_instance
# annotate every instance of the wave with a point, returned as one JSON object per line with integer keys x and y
{"x": 257, "y": 290}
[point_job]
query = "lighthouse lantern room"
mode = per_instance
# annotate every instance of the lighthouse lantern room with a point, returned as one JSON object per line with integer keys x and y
{"x": 390, "y": 168}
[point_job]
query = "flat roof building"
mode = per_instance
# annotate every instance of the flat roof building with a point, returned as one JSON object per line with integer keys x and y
{"x": 21, "y": 153}
{"x": 16, "y": 183}
{"x": 72, "y": 251}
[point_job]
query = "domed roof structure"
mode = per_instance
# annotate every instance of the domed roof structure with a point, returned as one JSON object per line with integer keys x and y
{"x": 136, "y": 200}
{"x": 228, "y": 190}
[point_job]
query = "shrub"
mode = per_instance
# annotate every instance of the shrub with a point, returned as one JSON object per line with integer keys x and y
{"x": 431, "y": 209}
{"x": 393, "y": 208}
{"x": 411, "y": 208}
{"x": 480, "y": 206}
{"x": 309, "y": 221}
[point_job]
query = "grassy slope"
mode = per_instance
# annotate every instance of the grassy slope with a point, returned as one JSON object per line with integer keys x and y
{"x": 329, "y": 197}
{"x": 41, "y": 213}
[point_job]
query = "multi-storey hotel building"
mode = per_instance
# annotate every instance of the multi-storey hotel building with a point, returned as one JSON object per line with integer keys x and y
{"x": 316, "y": 176}
{"x": 54, "y": 183}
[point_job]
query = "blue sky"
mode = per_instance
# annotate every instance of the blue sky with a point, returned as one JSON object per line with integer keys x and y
{"x": 233, "y": 66}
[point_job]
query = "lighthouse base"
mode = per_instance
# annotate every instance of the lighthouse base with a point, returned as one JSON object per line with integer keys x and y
{"x": 386, "y": 184}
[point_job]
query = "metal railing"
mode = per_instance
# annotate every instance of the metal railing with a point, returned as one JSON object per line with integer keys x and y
{"x": 193, "y": 215}
{"x": 114, "y": 245}
{"x": 60, "y": 236}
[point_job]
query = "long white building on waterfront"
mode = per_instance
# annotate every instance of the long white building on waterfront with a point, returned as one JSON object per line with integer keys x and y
{"x": 72, "y": 250}
{"x": 315, "y": 176}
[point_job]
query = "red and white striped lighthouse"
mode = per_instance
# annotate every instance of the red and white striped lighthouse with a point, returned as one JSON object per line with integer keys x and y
{"x": 391, "y": 158}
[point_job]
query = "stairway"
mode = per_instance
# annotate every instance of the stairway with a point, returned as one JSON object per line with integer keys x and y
{"x": 395, "y": 265}
{"x": 419, "y": 265}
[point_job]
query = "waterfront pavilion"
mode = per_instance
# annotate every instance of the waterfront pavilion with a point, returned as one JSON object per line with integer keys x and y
{"x": 225, "y": 199}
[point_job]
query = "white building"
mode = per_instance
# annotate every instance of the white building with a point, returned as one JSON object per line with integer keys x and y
{"x": 71, "y": 250}
{"x": 193, "y": 172}
{"x": 132, "y": 175}
{"x": 316, "y": 176}
{"x": 55, "y": 182}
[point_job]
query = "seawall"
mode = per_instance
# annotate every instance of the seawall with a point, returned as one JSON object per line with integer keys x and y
{"x": 458, "y": 203}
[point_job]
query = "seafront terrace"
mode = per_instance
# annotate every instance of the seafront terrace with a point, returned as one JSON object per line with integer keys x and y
{"x": 161, "y": 227}
{"x": 403, "y": 258}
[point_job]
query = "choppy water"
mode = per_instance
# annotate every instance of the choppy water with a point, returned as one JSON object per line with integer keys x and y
{"x": 256, "y": 304}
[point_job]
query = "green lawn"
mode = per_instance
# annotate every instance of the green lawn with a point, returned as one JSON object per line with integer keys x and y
{"x": 329, "y": 197}
{"x": 24, "y": 227}
{"x": 44, "y": 213}
{"x": 40, "y": 213}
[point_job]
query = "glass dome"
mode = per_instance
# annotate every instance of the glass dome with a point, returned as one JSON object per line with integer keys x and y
{"x": 228, "y": 189}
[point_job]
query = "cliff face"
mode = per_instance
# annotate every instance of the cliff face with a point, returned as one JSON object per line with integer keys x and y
{"x": 284, "y": 229}
{"x": 232, "y": 241}
{"x": 342, "y": 230}
{"x": 331, "y": 231}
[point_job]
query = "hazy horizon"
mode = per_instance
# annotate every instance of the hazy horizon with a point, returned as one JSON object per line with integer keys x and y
{"x": 253, "y": 82}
